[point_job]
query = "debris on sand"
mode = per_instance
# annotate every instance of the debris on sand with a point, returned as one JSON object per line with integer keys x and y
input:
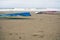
{"x": 0, "y": 27}
{"x": 16, "y": 33}
{"x": 19, "y": 37}
{"x": 39, "y": 35}
{"x": 10, "y": 34}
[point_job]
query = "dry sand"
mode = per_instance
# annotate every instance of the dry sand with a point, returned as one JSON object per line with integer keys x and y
{"x": 36, "y": 27}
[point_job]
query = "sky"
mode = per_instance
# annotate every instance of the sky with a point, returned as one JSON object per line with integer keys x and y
{"x": 30, "y": 4}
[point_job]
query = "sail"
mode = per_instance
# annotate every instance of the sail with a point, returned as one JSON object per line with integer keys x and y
{"x": 16, "y": 14}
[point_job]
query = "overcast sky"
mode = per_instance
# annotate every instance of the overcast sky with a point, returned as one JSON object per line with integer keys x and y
{"x": 29, "y": 3}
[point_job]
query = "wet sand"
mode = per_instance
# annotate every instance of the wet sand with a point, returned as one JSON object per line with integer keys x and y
{"x": 36, "y": 27}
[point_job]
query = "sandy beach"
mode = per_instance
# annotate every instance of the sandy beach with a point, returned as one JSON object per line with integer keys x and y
{"x": 35, "y": 27}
